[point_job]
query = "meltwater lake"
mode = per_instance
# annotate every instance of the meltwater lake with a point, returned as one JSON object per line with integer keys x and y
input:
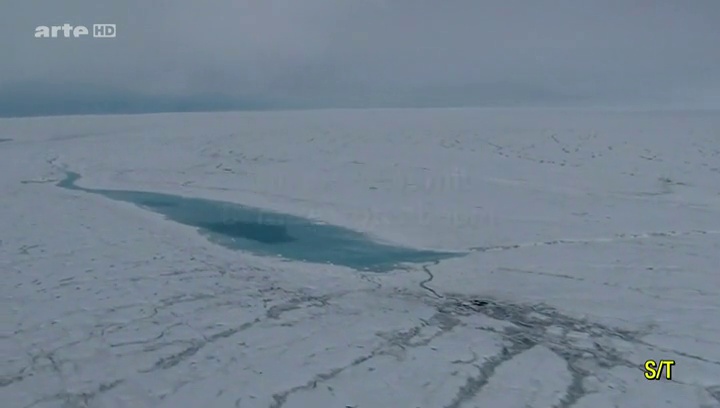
{"x": 267, "y": 233}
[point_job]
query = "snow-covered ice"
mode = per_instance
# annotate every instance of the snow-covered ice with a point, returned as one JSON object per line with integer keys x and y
{"x": 593, "y": 241}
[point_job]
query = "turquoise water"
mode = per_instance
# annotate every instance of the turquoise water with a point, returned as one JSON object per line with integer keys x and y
{"x": 268, "y": 233}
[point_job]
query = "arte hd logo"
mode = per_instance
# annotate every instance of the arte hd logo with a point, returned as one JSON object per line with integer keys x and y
{"x": 70, "y": 31}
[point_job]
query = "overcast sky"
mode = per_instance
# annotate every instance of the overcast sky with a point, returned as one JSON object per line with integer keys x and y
{"x": 188, "y": 54}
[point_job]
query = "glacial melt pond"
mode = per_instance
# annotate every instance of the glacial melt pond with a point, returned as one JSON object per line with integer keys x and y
{"x": 268, "y": 233}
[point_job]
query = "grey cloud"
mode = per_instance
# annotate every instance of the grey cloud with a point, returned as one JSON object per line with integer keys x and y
{"x": 368, "y": 53}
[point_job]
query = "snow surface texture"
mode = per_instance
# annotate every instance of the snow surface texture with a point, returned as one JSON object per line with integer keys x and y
{"x": 593, "y": 239}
